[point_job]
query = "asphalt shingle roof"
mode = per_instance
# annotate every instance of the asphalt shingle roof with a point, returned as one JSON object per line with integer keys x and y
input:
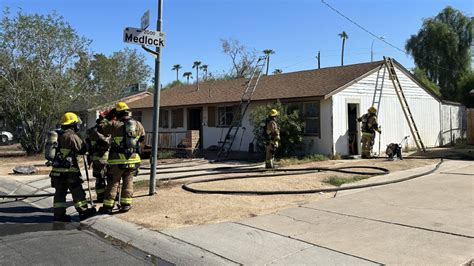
{"x": 309, "y": 83}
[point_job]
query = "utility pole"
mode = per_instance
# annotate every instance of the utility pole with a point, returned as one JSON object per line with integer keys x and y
{"x": 156, "y": 106}
{"x": 319, "y": 59}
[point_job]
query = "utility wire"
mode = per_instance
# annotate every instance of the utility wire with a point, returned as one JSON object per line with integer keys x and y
{"x": 381, "y": 39}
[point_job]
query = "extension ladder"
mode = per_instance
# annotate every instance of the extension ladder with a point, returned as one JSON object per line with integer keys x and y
{"x": 404, "y": 104}
{"x": 378, "y": 89}
{"x": 239, "y": 113}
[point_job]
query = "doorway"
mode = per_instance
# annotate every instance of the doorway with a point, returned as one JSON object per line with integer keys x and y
{"x": 195, "y": 122}
{"x": 352, "y": 132}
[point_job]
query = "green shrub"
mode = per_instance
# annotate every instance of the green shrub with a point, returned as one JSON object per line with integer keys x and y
{"x": 291, "y": 128}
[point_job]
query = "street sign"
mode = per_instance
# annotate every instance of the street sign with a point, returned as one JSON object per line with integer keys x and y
{"x": 145, "y": 20}
{"x": 144, "y": 37}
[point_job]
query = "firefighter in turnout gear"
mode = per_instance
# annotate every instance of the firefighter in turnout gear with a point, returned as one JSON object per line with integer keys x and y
{"x": 126, "y": 136}
{"x": 369, "y": 127}
{"x": 98, "y": 154}
{"x": 271, "y": 133}
{"x": 65, "y": 174}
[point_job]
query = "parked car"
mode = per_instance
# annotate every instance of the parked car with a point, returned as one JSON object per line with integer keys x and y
{"x": 6, "y": 137}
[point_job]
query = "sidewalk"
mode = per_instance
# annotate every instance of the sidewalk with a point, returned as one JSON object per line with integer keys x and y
{"x": 428, "y": 220}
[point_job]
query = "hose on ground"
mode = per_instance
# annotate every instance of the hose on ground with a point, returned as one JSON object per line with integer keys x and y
{"x": 188, "y": 187}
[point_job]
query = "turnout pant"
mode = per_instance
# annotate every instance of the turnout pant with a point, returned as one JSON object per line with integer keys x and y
{"x": 115, "y": 174}
{"x": 367, "y": 144}
{"x": 270, "y": 150}
{"x": 63, "y": 183}
{"x": 99, "y": 171}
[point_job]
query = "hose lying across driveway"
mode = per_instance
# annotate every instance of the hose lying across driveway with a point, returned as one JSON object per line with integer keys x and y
{"x": 266, "y": 173}
{"x": 188, "y": 187}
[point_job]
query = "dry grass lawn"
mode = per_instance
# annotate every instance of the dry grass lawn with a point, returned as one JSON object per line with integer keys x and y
{"x": 173, "y": 207}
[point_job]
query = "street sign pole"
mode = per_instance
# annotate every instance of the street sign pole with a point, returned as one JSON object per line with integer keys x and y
{"x": 156, "y": 106}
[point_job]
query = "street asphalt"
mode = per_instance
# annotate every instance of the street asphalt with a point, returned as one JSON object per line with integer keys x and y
{"x": 29, "y": 237}
{"x": 425, "y": 221}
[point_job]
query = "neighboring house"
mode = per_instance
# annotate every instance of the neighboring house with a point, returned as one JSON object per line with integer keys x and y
{"x": 330, "y": 99}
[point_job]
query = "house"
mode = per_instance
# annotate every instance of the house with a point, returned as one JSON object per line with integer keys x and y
{"x": 330, "y": 99}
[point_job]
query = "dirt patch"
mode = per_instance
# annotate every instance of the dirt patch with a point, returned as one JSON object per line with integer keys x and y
{"x": 173, "y": 207}
{"x": 8, "y": 163}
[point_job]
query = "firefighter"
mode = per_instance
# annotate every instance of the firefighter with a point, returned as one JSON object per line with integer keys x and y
{"x": 126, "y": 136}
{"x": 369, "y": 127}
{"x": 271, "y": 133}
{"x": 98, "y": 153}
{"x": 65, "y": 173}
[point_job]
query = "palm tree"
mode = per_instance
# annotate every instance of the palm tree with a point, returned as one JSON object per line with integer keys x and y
{"x": 268, "y": 52}
{"x": 344, "y": 36}
{"x": 277, "y": 71}
{"x": 204, "y": 68}
{"x": 196, "y": 65}
{"x": 177, "y": 67}
{"x": 187, "y": 75}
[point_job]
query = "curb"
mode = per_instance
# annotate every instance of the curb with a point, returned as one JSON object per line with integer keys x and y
{"x": 152, "y": 243}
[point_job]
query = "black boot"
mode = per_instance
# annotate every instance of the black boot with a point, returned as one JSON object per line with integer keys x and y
{"x": 125, "y": 208}
{"x": 63, "y": 218}
{"x": 100, "y": 198}
{"x": 105, "y": 210}
{"x": 87, "y": 213}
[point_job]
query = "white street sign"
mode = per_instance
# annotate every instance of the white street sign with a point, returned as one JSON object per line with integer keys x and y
{"x": 144, "y": 37}
{"x": 145, "y": 20}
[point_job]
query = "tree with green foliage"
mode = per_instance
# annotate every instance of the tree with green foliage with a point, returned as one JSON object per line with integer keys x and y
{"x": 343, "y": 36}
{"x": 465, "y": 85}
{"x": 172, "y": 84}
{"x": 277, "y": 71}
{"x": 204, "y": 69}
{"x": 268, "y": 52}
{"x": 423, "y": 77}
{"x": 177, "y": 67}
{"x": 187, "y": 75}
{"x": 291, "y": 128}
{"x": 196, "y": 65}
{"x": 37, "y": 53}
{"x": 441, "y": 50}
{"x": 113, "y": 74}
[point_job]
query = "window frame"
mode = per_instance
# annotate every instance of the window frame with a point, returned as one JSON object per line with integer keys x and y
{"x": 228, "y": 115}
{"x": 302, "y": 108}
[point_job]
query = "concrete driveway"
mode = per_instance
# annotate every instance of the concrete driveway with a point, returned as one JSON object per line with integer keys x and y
{"x": 428, "y": 220}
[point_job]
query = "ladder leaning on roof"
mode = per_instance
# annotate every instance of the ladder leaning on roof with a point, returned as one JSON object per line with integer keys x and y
{"x": 403, "y": 101}
{"x": 378, "y": 88}
{"x": 239, "y": 113}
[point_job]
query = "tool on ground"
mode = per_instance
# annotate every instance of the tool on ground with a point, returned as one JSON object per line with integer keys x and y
{"x": 240, "y": 111}
{"x": 86, "y": 169}
{"x": 395, "y": 149}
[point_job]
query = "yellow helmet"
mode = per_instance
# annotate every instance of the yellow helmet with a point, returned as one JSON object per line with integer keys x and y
{"x": 121, "y": 106}
{"x": 274, "y": 112}
{"x": 69, "y": 118}
{"x": 372, "y": 110}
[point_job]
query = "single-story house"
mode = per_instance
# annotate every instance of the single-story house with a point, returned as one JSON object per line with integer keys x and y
{"x": 330, "y": 100}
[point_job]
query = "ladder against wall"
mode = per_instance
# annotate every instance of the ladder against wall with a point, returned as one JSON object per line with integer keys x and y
{"x": 404, "y": 104}
{"x": 378, "y": 88}
{"x": 239, "y": 113}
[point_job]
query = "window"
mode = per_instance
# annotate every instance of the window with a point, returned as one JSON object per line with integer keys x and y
{"x": 137, "y": 115}
{"x": 164, "y": 119}
{"x": 177, "y": 118}
{"x": 310, "y": 112}
{"x": 225, "y": 115}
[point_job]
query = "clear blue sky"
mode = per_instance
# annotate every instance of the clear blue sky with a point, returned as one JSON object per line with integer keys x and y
{"x": 294, "y": 29}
